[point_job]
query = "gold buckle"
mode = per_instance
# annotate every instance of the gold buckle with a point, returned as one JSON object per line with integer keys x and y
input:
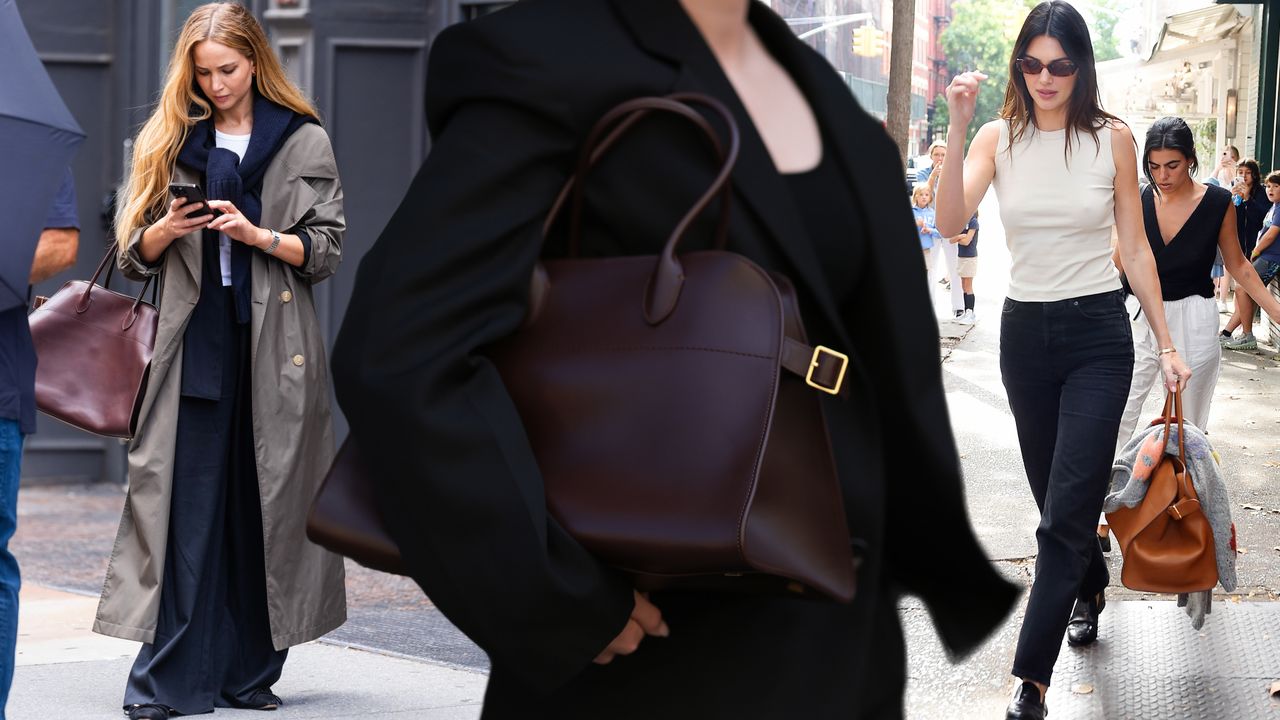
{"x": 813, "y": 365}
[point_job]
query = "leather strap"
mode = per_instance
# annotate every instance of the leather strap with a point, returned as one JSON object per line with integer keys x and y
{"x": 799, "y": 358}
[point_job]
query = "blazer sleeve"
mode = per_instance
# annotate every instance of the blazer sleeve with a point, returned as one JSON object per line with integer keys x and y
{"x": 325, "y": 222}
{"x": 965, "y": 594}
{"x": 450, "y": 275}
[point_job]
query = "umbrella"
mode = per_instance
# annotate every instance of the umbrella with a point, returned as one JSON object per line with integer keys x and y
{"x": 38, "y": 137}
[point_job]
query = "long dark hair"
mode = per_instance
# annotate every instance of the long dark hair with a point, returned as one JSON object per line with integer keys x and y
{"x": 1169, "y": 133}
{"x": 1063, "y": 23}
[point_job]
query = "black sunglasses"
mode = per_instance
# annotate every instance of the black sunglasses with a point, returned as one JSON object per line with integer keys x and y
{"x": 1058, "y": 68}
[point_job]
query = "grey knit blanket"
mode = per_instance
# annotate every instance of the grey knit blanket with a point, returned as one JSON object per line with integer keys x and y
{"x": 1129, "y": 488}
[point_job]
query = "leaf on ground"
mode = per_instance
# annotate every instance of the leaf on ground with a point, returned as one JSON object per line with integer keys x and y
{"x": 1243, "y": 551}
{"x": 1269, "y": 463}
{"x": 1247, "y": 506}
{"x": 1082, "y": 688}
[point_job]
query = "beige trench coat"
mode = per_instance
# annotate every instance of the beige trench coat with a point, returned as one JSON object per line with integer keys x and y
{"x": 292, "y": 427}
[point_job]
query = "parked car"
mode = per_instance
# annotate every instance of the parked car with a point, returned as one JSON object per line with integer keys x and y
{"x": 915, "y": 164}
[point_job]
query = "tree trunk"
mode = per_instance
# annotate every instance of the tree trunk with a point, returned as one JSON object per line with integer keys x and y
{"x": 898, "y": 118}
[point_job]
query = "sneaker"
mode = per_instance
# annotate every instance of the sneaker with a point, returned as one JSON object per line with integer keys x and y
{"x": 1223, "y": 309}
{"x": 1244, "y": 342}
{"x": 1224, "y": 337}
{"x": 958, "y": 313}
{"x": 968, "y": 317}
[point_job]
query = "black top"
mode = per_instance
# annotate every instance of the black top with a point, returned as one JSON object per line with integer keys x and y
{"x": 824, "y": 198}
{"x": 1185, "y": 263}
{"x": 1249, "y": 216}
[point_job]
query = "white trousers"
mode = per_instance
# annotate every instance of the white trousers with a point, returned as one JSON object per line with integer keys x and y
{"x": 1193, "y": 325}
{"x": 950, "y": 251}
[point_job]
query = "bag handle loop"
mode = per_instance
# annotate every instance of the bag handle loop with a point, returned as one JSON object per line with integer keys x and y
{"x": 668, "y": 278}
{"x": 86, "y": 298}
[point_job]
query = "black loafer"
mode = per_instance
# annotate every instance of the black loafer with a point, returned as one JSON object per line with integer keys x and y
{"x": 1082, "y": 628}
{"x": 149, "y": 711}
{"x": 264, "y": 699}
{"x": 1026, "y": 704}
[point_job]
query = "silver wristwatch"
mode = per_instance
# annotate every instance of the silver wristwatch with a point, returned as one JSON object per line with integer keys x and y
{"x": 275, "y": 242}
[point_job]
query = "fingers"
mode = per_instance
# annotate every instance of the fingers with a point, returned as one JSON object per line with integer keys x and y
{"x": 649, "y": 617}
{"x": 626, "y": 643}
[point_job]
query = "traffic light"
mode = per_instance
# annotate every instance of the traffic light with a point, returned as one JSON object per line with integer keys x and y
{"x": 868, "y": 41}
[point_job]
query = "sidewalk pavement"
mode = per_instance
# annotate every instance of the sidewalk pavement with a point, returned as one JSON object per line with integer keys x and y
{"x": 65, "y": 671}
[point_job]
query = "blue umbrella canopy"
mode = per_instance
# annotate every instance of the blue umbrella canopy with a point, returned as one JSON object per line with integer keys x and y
{"x": 38, "y": 138}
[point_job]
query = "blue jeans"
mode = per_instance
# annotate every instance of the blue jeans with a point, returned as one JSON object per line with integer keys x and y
{"x": 10, "y": 466}
{"x": 1066, "y": 367}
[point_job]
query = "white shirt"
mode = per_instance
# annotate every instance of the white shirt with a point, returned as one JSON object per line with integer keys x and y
{"x": 237, "y": 144}
{"x": 1057, "y": 212}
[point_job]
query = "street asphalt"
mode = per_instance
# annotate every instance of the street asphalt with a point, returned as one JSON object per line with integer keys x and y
{"x": 398, "y": 657}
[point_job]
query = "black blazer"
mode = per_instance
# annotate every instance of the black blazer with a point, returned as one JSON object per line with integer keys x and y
{"x": 509, "y": 99}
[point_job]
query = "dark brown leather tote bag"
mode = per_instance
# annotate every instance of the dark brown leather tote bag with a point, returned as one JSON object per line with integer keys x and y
{"x": 93, "y": 351}
{"x": 1166, "y": 540}
{"x": 673, "y": 405}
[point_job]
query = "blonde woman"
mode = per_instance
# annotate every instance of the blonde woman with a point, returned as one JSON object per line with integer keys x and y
{"x": 211, "y": 569}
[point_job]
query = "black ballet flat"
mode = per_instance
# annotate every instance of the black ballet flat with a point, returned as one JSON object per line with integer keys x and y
{"x": 1026, "y": 704}
{"x": 1082, "y": 628}
{"x": 149, "y": 711}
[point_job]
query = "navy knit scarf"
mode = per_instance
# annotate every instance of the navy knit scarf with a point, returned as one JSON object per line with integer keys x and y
{"x": 239, "y": 180}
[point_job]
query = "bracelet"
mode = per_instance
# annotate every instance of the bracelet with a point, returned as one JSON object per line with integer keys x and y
{"x": 1166, "y": 351}
{"x": 275, "y": 242}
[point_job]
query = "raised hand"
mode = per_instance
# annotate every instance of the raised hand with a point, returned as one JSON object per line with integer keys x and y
{"x": 962, "y": 97}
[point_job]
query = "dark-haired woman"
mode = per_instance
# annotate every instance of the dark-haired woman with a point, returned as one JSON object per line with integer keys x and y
{"x": 1065, "y": 171}
{"x": 1186, "y": 223}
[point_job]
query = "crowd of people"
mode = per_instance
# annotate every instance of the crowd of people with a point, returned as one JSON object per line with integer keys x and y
{"x": 211, "y": 570}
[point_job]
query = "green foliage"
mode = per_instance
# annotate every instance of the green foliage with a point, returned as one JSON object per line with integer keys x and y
{"x": 1105, "y": 16}
{"x": 980, "y": 37}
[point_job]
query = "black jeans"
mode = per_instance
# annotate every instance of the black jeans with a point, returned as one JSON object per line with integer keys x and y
{"x": 1066, "y": 367}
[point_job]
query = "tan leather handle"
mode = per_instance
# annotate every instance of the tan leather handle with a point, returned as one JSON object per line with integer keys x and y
{"x": 664, "y": 287}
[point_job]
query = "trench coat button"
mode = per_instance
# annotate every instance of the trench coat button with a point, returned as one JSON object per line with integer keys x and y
{"x": 298, "y": 360}
{"x": 286, "y": 296}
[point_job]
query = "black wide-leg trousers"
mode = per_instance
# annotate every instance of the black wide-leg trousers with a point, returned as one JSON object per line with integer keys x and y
{"x": 213, "y": 638}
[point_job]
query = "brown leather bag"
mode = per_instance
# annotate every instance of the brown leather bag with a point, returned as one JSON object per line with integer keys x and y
{"x": 673, "y": 405}
{"x": 1166, "y": 540}
{"x": 93, "y": 350}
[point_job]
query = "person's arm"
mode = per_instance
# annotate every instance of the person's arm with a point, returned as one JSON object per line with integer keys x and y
{"x": 1265, "y": 241}
{"x": 55, "y": 252}
{"x": 448, "y": 277}
{"x": 1234, "y": 261}
{"x": 1135, "y": 256}
{"x": 966, "y": 237}
{"x": 964, "y": 183}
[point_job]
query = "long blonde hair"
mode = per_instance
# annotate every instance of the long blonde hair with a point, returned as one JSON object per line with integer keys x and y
{"x": 182, "y": 105}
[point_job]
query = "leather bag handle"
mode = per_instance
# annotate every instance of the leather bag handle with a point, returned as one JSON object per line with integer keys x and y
{"x": 86, "y": 297}
{"x": 668, "y": 278}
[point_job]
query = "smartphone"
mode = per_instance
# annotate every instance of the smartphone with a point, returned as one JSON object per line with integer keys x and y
{"x": 192, "y": 194}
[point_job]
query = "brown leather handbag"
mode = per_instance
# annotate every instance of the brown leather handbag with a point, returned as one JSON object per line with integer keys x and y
{"x": 673, "y": 405}
{"x": 1166, "y": 540}
{"x": 93, "y": 350}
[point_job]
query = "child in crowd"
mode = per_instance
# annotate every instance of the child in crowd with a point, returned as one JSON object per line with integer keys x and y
{"x": 1266, "y": 261}
{"x": 922, "y": 198}
{"x": 967, "y": 266}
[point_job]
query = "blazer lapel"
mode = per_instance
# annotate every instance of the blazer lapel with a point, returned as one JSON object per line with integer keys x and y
{"x": 663, "y": 28}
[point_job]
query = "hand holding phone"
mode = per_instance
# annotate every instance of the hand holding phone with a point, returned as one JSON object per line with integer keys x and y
{"x": 192, "y": 193}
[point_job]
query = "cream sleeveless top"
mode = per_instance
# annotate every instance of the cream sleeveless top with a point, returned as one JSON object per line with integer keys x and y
{"x": 1057, "y": 213}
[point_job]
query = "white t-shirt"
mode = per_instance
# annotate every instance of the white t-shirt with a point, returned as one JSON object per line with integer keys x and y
{"x": 237, "y": 144}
